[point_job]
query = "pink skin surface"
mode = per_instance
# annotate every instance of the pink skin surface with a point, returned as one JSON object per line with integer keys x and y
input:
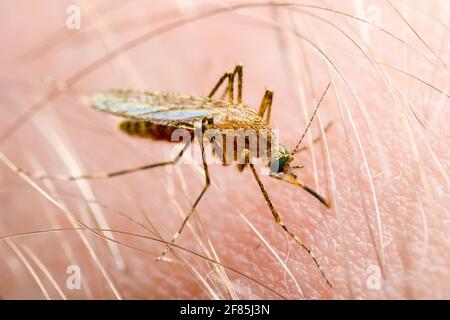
{"x": 384, "y": 164}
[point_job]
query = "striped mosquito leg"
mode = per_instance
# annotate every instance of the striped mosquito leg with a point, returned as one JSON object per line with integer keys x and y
{"x": 191, "y": 212}
{"x": 266, "y": 105}
{"x": 230, "y": 88}
{"x": 238, "y": 70}
{"x": 279, "y": 222}
{"x": 219, "y": 83}
{"x": 104, "y": 175}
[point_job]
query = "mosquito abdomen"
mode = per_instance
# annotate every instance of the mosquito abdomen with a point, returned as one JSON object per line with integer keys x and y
{"x": 146, "y": 129}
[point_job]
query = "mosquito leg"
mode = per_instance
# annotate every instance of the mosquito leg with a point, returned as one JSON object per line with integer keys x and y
{"x": 269, "y": 107}
{"x": 103, "y": 175}
{"x": 219, "y": 83}
{"x": 266, "y": 105}
{"x": 238, "y": 70}
{"x": 205, "y": 187}
{"x": 230, "y": 89}
{"x": 317, "y": 139}
{"x": 279, "y": 222}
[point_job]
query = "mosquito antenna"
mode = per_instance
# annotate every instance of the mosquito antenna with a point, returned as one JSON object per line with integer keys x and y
{"x": 311, "y": 120}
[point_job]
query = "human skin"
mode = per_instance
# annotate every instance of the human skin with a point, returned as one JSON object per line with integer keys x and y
{"x": 383, "y": 164}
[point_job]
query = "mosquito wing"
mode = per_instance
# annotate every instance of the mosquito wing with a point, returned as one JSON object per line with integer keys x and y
{"x": 157, "y": 107}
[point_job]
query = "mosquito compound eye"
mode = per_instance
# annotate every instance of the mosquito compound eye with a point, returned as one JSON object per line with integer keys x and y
{"x": 278, "y": 165}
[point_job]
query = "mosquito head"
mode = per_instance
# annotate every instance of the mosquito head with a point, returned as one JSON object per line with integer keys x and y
{"x": 282, "y": 162}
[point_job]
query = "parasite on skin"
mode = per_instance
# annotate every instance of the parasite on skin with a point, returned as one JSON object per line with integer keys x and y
{"x": 157, "y": 115}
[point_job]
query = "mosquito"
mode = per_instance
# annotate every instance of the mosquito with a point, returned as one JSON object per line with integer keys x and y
{"x": 156, "y": 114}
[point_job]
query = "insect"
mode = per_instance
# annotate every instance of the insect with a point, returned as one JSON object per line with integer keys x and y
{"x": 157, "y": 115}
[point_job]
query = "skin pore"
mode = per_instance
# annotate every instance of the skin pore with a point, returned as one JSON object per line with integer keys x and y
{"x": 383, "y": 165}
